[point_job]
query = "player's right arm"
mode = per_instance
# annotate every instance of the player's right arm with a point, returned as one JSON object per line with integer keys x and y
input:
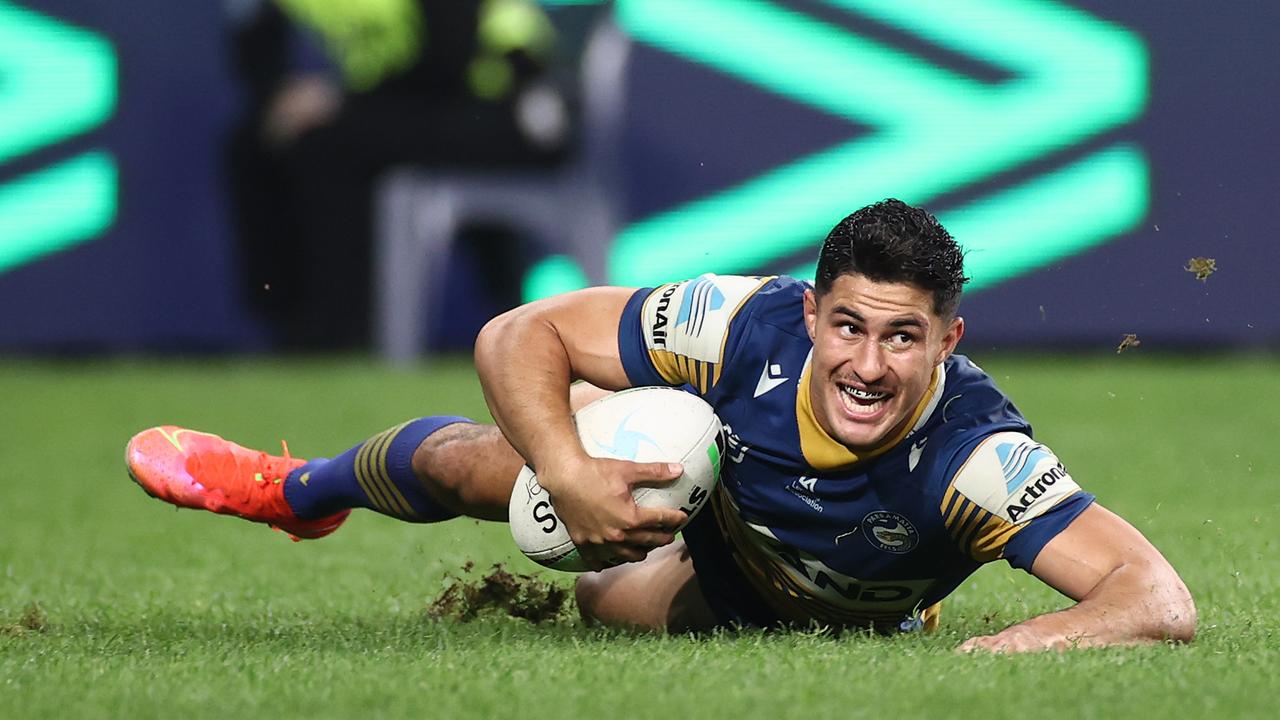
{"x": 526, "y": 360}
{"x": 1013, "y": 498}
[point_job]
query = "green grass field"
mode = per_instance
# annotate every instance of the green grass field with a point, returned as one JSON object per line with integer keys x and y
{"x": 116, "y": 605}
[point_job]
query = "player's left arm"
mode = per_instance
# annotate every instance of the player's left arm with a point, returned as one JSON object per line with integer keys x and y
{"x": 1126, "y": 592}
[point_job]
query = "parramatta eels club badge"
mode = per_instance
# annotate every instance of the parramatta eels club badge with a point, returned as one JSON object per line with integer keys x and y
{"x": 890, "y": 532}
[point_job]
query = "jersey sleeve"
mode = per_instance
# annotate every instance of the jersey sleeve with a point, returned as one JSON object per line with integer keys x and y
{"x": 678, "y": 333}
{"x": 1009, "y": 498}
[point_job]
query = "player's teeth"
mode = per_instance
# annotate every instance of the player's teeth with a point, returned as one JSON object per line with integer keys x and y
{"x": 863, "y": 394}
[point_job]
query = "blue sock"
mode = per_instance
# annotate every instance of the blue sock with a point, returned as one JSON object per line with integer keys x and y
{"x": 376, "y": 474}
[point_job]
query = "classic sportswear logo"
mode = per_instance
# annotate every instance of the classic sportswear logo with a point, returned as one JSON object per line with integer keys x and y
{"x": 179, "y": 432}
{"x": 770, "y": 378}
{"x": 913, "y": 457}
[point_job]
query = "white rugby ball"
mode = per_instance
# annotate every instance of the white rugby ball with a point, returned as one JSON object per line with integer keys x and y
{"x": 646, "y": 424}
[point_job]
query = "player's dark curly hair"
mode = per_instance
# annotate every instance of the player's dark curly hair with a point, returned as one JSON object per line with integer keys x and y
{"x": 892, "y": 241}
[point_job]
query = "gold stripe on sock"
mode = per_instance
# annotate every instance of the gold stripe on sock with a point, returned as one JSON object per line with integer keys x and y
{"x": 362, "y": 477}
{"x": 380, "y": 472}
{"x": 368, "y": 467}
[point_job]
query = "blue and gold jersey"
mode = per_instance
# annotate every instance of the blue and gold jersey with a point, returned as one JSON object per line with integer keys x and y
{"x": 802, "y": 529}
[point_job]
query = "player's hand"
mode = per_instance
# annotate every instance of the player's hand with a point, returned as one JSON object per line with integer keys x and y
{"x": 1016, "y": 639}
{"x": 593, "y": 499}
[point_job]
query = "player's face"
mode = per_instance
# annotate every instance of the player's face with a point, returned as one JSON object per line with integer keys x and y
{"x": 875, "y": 345}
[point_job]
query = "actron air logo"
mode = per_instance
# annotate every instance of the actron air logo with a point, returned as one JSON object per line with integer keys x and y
{"x": 1018, "y": 461}
{"x": 1071, "y": 78}
{"x": 56, "y": 82}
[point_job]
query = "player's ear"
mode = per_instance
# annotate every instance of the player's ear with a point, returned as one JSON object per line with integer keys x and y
{"x": 951, "y": 338}
{"x": 811, "y": 313}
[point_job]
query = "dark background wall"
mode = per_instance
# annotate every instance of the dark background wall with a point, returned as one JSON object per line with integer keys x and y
{"x": 162, "y": 275}
{"x": 1209, "y": 133}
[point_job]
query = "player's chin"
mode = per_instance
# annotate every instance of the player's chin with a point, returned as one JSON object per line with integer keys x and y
{"x": 861, "y": 438}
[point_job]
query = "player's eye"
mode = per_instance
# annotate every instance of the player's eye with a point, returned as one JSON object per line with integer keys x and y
{"x": 901, "y": 339}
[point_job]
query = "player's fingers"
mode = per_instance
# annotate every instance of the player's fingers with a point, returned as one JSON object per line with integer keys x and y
{"x": 653, "y": 474}
{"x": 977, "y": 644}
{"x": 606, "y": 556}
{"x": 666, "y": 519}
{"x": 649, "y": 539}
{"x": 624, "y": 553}
{"x": 596, "y": 558}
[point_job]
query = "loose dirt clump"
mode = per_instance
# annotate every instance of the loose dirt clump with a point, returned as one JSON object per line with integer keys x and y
{"x": 1130, "y": 340}
{"x": 1201, "y": 267}
{"x": 503, "y": 592}
{"x": 33, "y": 619}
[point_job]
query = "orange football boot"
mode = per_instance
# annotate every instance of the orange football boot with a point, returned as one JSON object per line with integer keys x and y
{"x": 198, "y": 470}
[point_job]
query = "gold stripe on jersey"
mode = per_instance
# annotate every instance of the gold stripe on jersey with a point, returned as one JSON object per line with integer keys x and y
{"x": 950, "y": 505}
{"x": 679, "y": 369}
{"x": 967, "y": 521}
{"x": 977, "y": 532}
{"x": 990, "y": 541}
{"x": 824, "y": 452}
{"x": 667, "y": 365}
{"x": 962, "y": 510}
{"x": 969, "y": 533}
{"x": 790, "y": 600}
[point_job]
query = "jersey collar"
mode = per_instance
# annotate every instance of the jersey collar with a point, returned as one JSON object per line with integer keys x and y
{"x": 824, "y": 452}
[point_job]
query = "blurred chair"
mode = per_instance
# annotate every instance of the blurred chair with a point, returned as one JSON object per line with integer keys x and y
{"x": 572, "y": 208}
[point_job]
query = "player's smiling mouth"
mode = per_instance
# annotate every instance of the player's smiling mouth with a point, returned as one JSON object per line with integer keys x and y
{"x": 862, "y": 403}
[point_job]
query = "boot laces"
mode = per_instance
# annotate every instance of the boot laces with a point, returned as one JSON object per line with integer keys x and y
{"x": 260, "y": 469}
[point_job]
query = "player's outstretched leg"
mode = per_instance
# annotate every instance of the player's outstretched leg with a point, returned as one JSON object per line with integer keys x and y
{"x": 424, "y": 470}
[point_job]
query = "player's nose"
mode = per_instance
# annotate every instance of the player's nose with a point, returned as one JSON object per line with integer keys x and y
{"x": 868, "y": 362}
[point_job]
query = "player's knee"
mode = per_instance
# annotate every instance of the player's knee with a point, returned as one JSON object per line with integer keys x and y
{"x": 589, "y": 591}
{"x": 619, "y": 598}
{"x": 447, "y": 461}
{"x": 598, "y": 603}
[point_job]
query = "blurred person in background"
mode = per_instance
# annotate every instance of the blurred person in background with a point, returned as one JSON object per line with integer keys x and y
{"x": 340, "y": 92}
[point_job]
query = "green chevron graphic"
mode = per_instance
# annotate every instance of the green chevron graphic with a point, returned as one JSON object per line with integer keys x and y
{"x": 935, "y": 131}
{"x": 56, "y": 81}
